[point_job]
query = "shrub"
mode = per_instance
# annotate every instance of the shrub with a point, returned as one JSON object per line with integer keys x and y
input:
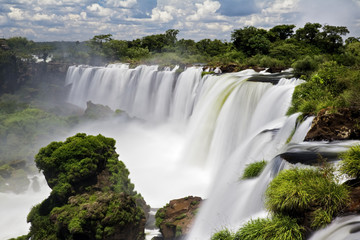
{"x": 322, "y": 90}
{"x": 279, "y": 227}
{"x": 270, "y": 62}
{"x": 224, "y": 234}
{"x": 159, "y": 216}
{"x": 305, "y": 66}
{"x": 350, "y": 164}
{"x": 351, "y": 94}
{"x": 306, "y": 193}
{"x": 254, "y": 169}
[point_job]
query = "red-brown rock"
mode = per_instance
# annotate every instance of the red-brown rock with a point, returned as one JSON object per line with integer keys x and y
{"x": 344, "y": 124}
{"x": 176, "y": 218}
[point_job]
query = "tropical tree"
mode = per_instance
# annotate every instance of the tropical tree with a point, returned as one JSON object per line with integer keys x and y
{"x": 251, "y": 40}
{"x": 281, "y": 32}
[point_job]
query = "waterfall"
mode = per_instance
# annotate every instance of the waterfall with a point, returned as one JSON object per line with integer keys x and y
{"x": 228, "y": 122}
{"x": 143, "y": 92}
{"x": 185, "y": 134}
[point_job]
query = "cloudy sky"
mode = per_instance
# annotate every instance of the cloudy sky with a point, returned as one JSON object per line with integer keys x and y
{"x": 49, "y": 20}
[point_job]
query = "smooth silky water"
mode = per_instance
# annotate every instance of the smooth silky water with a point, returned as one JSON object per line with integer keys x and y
{"x": 184, "y": 135}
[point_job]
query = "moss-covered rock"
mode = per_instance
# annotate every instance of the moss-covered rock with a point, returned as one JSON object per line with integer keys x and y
{"x": 278, "y": 227}
{"x": 311, "y": 195}
{"x": 101, "y": 215}
{"x": 92, "y": 196}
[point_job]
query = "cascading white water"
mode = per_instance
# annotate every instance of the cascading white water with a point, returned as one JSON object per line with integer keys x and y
{"x": 229, "y": 123}
{"x": 143, "y": 92}
{"x": 207, "y": 129}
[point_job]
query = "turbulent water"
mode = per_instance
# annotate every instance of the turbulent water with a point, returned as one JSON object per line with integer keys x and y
{"x": 184, "y": 134}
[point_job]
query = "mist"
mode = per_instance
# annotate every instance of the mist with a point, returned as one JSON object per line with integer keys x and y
{"x": 153, "y": 153}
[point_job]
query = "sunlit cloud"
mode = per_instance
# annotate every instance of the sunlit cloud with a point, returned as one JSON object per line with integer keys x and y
{"x": 48, "y": 20}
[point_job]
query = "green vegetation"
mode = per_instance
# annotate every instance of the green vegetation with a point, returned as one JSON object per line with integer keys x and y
{"x": 23, "y": 129}
{"x": 91, "y": 195}
{"x": 224, "y": 234}
{"x": 278, "y": 227}
{"x": 317, "y": 53}
{"x": 254, "y": 169}
{"x": 350, "y": 164}
{"x": 306, "y": 193}
{"x": 72, "y": 165}
{"x": 300, "y": 201}
{"x": 159, "y": 216}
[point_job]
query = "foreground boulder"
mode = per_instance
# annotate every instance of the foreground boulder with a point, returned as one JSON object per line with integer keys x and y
{"x": 344, "y": 124}
{"x": 176, "y": 218}
{"x": 92, "y": 196}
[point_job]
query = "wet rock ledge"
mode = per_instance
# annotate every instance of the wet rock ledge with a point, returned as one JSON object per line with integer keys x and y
{"x": 176, "y": 218}
{"x": 330, "y": 125}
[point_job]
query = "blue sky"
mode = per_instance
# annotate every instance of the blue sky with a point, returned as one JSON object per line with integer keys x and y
{"x": 72, "y": 20}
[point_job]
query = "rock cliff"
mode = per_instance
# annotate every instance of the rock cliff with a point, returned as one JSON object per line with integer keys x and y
{"x": 344, "y": 124}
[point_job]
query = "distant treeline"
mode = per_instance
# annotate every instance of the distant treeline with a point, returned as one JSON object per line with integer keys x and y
{"x": 281, "y": 42}
{"x": 318, "y": 53}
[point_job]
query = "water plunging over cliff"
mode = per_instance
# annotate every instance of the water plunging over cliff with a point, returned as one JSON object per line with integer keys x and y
{"x": 184, "y": 134}
{"x": 226, "y": 122}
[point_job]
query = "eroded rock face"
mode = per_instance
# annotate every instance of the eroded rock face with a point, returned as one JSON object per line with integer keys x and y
{"x": 341, "y": 125}
{"x": 176, "y": 218}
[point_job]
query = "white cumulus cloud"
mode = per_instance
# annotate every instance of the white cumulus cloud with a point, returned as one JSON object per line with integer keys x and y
{"x": 99, "y": 10}
{"x": 205, "y": 10}
{"x": 161, "y": 15}
{"x": 16, "y": 14}
{"x": 124, "y": 4}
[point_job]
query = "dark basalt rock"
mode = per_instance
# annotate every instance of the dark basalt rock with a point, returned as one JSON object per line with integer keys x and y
{"x": 344, "y": 124}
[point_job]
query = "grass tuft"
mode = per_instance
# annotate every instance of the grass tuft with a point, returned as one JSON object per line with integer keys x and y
{"x": 254, "y": 169}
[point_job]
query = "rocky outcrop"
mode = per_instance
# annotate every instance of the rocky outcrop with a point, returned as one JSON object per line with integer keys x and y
{"x": 344, "y": 124}
{"x": 92, "y": 196}
{"x": 97, "y": 111}
{"x": 176, "y": 218}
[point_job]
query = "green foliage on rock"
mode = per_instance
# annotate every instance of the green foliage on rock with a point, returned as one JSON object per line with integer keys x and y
{"x": 100, "y": 215}
{"x": 330, "y": 86}
{"x": 72, "y": 165}
{"x": 254, "y": 169}
{"x": 92, "y": 196}
{"x": 277, "y": 227}
{"x": 224, "y": 234}
{"x": 350, "y": 164}
{"x": 159, "y": 216}
{"x": 306, "y": 193}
